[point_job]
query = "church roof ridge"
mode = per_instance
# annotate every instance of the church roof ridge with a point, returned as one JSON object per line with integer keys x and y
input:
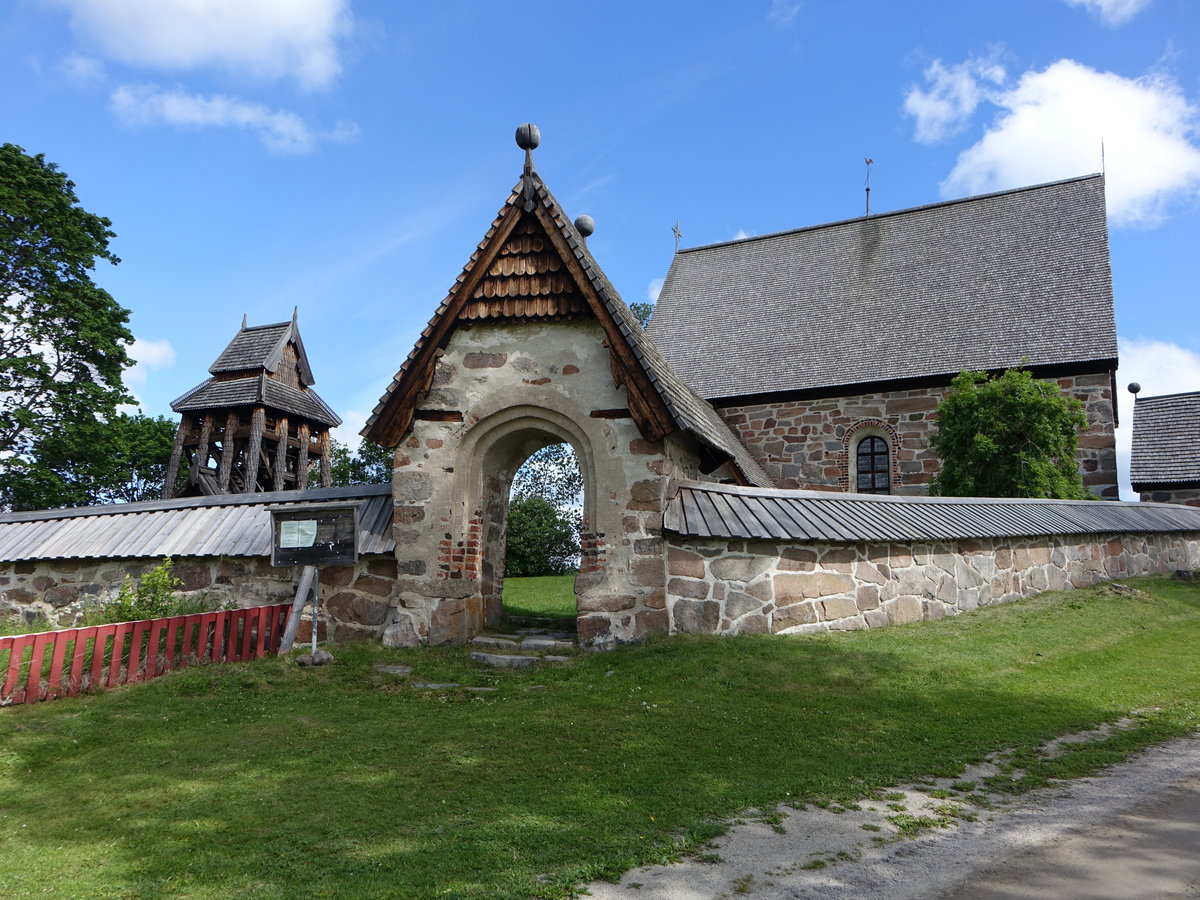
{"x": 904, "y": 211}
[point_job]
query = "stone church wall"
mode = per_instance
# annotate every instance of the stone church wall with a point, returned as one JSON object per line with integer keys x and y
{"x": 809, "y": 443}
{"x": 1184, "y": 496}
{"x": 758, "y": 587}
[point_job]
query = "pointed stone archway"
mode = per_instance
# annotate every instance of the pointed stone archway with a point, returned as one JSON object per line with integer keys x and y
{"x": 534, "y": 346}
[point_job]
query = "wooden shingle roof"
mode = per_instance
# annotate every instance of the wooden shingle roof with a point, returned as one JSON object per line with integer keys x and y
{"x": 262, "y": 347}
{"x": 1013, "y": 278}
{"x": 569, "y": 283}
{"x": 1166, "y": 440}
{"x": 249, "y": 373}
{"x": 254, "y": 391}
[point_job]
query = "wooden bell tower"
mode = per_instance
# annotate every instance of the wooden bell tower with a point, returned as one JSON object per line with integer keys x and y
{"x": 256, "y": 424}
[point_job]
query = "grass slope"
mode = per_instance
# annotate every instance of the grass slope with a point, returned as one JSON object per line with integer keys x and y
{"x": 264, "y": 780}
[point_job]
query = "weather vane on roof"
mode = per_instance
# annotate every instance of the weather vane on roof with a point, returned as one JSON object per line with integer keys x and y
{"x": 867, "y": 183}
{"x": 678, "y": 234}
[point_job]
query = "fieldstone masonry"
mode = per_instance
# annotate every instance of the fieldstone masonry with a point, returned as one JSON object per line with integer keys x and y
{"x": 500, "y": 391}
{"x": 1184, "y": 496}
{"x": 810, "y": 443}
{"x": 760, "y": 587}
{"x": 354, "y": 600}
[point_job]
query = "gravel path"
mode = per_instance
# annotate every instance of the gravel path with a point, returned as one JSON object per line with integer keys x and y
{"x": 1132, "y": 831}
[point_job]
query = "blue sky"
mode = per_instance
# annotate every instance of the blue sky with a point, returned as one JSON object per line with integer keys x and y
{"x": 345, "y": 156}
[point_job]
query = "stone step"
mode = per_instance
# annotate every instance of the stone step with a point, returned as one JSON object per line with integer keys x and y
{"x": 505, "y": 661}
{"x": 492, "y": 640}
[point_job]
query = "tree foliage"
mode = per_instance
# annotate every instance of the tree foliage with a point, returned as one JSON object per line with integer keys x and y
{"x": 123, "y": 459}
{"x": 544, "y": 516}
{"x": 643, "y": 312}
{"x": 63, "y": 340}
{"x": 370, "y": 464}
{"x": 1008, "y": 436}
{"x": 541, "y": 540}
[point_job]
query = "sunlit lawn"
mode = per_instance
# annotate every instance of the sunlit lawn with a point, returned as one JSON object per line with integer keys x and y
{"x": 264, "y": 780}
{"x": 544, "y": 595}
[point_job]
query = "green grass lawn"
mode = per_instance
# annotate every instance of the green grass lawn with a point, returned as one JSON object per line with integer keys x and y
{"x": 264, "y": 780}
{"x": 544, "y": 595}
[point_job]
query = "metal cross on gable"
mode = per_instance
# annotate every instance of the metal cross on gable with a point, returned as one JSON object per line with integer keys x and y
{"x": 678, "y": 234}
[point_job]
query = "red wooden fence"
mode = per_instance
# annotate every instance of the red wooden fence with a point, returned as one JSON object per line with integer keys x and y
{"x": 86, "y": 659}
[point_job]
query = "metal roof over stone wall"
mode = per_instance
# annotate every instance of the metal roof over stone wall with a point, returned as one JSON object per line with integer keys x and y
{"x": 229, "y": 525}
{"x": 725, "y": 511}
{"x": 1166, "y": 440}
{"x": 1014, "y": 278}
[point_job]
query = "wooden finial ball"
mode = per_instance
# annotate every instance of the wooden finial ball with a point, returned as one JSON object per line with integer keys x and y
{"x": 528, "y": 136}
{"x": 585, "y": 225}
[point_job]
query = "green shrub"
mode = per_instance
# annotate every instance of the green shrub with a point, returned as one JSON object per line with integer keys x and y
{"x": 153, "y": 598}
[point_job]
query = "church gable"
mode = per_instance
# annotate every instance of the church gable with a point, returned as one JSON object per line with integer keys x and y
{"x": 533, "y": 264}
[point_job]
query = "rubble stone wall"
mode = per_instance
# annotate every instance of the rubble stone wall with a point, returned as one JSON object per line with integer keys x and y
{"x": 354, "y": 600}
{"x": 810, "y": 443}
{"x": 759, "y": 587}
{"x": 1184, "y": 496}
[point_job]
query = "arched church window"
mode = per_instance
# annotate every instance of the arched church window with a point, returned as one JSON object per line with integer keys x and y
{"x": 873, "y": 466}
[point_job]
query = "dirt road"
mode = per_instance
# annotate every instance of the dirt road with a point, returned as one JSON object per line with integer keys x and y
{"x": 1130, "y": 832}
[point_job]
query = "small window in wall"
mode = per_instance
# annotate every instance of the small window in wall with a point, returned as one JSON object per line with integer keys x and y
{"x": 873, "y": 466}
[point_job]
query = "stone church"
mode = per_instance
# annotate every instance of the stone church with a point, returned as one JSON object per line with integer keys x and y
{"x": 827, "y": 349}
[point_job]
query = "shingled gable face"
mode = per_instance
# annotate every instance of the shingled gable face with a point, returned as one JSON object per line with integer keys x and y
{"x": 532, "y": 346}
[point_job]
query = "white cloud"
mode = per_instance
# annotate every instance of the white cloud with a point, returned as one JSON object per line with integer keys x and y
{"x": 653, "y": 289}
{"x": 148, "y": 356}
{"x": 280, "y": 131}
{"x": 953, "y": 95}
{"x": 742, "y": 234}
{"x": 348, "y": 432}
{"x": 1112, "y": 12}
{"x": 784, "y": 12}
{"x": 269, "y": 39}
{"x": 1160, "y": 368}
{"x": 1051, "y": 125}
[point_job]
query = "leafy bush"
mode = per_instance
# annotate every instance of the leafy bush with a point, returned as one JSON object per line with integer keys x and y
{"x": 153, "y": 598}
{"x": 1008, "y": 436}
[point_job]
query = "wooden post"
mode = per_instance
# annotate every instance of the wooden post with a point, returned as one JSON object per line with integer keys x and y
{"x": 281, "y": 452}
{"x": 201, "y": 460}
{"x": 308, "y": 578}
{"x": 302, "y": 457}
{"x": 326, "y": 475}
{"x": 228, "y": 451}
{"x": 168, "y": 490}
{"x": 258, "y": 423}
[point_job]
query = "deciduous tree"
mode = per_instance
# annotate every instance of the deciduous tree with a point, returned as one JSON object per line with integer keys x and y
{"x": 1008, "y": 436}
{"x": 63, "y": 340}
{"x": 370, "y": 464}
{"x": 122, "y": 459}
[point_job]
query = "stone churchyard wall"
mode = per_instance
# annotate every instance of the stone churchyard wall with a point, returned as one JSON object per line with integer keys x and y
{"x": 810, "y": 443}
{"x": 724, "y": 586}
{"x": 354, "y": 600}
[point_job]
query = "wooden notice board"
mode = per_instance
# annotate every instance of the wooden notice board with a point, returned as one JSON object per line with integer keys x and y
{"x": 322, "y": 534}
